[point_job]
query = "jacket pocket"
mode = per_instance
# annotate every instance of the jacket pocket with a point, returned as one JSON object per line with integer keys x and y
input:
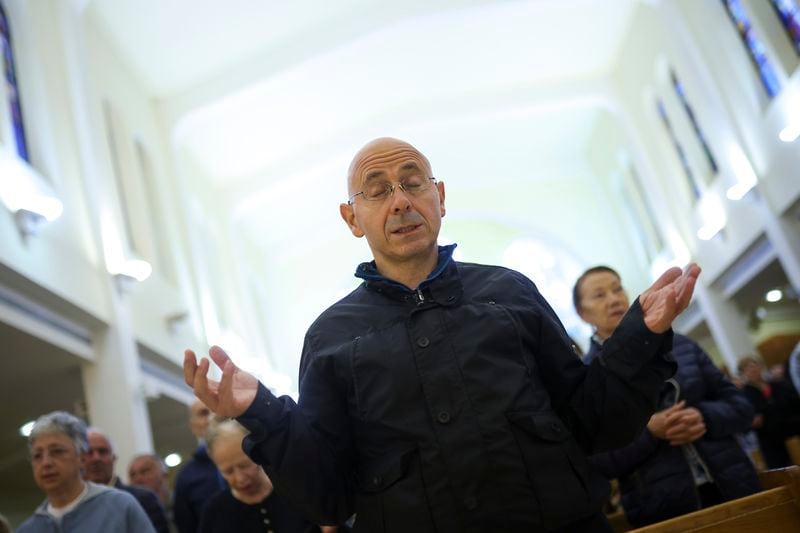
{"x": 391, "y": 495}
{"x": 557, "y": 469}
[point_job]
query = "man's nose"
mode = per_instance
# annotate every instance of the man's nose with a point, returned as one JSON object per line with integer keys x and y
{"x": 399, "y": 199}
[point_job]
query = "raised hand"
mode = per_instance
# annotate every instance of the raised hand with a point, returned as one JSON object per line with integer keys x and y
{"x": 232, "y": 395}
{"x": 668, "y": 297}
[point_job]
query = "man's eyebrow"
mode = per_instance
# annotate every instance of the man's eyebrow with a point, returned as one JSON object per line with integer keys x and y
{"x": 373, "y": 175}
{"x": 411, "y": 165}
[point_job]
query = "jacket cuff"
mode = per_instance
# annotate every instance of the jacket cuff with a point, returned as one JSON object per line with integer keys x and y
{"x": 632, "y": 346}
{"x": 265, "y": 411}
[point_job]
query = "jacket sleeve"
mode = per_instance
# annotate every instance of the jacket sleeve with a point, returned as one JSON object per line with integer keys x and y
{"x": 622, "y": 461}
{"x": 607, "y": 403}
{"x": 726, "y": 410}
{"x": 306, "y": 448}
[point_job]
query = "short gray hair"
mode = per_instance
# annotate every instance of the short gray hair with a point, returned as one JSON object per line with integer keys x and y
{"x": 61, "y": 422}
{"x": 222, "y": 428}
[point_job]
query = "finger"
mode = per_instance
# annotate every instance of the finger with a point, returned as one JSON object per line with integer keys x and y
{"x": 219, "y": 356}
{"x": 201, "y": 385}
{"x": 189, "y": 367}
{"x": 226, "y": 383}
{"x": 686, "y": 288}
{"x": 666, "y": 278}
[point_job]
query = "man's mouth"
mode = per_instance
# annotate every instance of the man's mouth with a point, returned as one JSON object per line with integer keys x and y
{"x": 406, "y": 229}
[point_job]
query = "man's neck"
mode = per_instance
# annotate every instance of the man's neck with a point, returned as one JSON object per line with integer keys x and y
{"x": 410, "y": 273}
{"x": 66, "y": 496}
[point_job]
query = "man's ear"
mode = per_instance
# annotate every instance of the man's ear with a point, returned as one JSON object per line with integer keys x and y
{"x": 349, "y": 217}
{"x": 440, "y": 186}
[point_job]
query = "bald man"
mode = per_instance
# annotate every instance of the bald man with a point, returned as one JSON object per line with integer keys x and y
{"x": 441, "y": 396}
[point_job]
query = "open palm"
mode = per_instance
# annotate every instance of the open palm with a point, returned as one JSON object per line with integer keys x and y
{"x": 232, "y": 395}
{"x": 668, "y": 297}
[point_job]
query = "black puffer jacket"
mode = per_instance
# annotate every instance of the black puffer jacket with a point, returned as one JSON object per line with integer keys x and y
{"x": 458, "y": 407}
{"x": 655, "y": 478}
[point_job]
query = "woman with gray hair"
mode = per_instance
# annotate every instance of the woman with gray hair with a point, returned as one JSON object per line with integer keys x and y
{"x": 58, "y": 446}
{"x": 249, "y": 504}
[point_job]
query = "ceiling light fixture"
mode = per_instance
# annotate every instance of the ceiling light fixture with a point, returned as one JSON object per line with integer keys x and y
{"x": 790, "y": 133}
{"x": 775, "y": 295}
{"x": 26, "y": 428}
{"x": 173, "y": 459}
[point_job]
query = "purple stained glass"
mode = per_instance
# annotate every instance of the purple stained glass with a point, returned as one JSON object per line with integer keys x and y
{"x": 754, "y": 46}
{"x": 687, "y": 169}
{"x": 789, "y": 13}
{"x": 11, "y": 87}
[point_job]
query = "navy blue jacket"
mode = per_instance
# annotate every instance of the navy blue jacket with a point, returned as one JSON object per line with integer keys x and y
{"x": 655, "y": 478}
{"x": 197, "y": 482}
{"x": 150, "y": 503}
{"x": 457, "y": 407}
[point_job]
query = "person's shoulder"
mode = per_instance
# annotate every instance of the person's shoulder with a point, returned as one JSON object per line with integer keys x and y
{"x": 34, "y": 524}
{"x": 471, "y": 271}
{"x": 143, "y": 494}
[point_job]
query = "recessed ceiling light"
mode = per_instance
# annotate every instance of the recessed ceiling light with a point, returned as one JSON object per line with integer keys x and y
{"x": 774, "y": 295}
{"x": 26, "y": 428}
{"x": 173, "y": 459}
{"x": 790, "y": 133}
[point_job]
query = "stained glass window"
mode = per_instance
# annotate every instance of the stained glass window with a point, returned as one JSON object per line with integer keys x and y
{"x": 681, "y": 92}
{"x": 690, "y": 177}
{"x": 12, "y": 89}
{"x": 755, "y": 47}
{"x": 789, "y": 13}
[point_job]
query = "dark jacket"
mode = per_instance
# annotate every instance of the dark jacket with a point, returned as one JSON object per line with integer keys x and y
{"x": 781, "y": 420}
{"x": 225, "y": 514}
{"x": 460, "y": 406}
{"x": 196, "y": 483}
{"x": 149, "y": 502}
{"x": 656, "y": 481}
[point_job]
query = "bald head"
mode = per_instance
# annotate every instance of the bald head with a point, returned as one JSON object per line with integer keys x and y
{"x": 374, "y": 151}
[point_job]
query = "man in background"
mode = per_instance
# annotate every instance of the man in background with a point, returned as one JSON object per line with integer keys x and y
{"x": 100, "y": 460}
{"x": 150, "y": 471}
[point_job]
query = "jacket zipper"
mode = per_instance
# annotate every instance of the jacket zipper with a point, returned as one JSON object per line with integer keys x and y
{"x": 418, "y": 296}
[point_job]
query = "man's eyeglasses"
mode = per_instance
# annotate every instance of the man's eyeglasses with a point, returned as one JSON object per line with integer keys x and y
{"x": 381, "y": 190}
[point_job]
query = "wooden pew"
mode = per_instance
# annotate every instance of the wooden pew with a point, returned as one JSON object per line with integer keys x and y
{"x": 776, "y": 508}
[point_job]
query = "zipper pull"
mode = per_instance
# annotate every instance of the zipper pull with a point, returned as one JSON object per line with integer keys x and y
{"x": 420, "y": 297}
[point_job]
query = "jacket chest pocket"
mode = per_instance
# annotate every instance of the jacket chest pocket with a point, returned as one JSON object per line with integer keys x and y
{"x": 557, "y": 468}
{"x": 384, "y": 375}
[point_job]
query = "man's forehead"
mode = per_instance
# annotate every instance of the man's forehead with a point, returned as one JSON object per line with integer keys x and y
{"x": 382, "y": 152}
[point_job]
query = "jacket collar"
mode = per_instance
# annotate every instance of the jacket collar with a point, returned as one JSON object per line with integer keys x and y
{"x": 442, "y": 285}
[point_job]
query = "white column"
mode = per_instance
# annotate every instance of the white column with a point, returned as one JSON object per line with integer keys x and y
{"x": 727, "y": 324}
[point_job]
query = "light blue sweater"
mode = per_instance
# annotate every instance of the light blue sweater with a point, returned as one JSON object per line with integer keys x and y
{"x": 103, "y": 510}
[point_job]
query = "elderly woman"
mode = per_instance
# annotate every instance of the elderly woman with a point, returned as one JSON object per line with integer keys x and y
{"x": 688, "y": 457}
{"x": 249, "y": 505}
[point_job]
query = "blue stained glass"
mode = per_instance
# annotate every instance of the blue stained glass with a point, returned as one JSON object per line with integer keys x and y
{"x": 678, "y": 86}
{"x": 789, "y": 13}
{"x": 11, "y": 87}
{"x": 687, "y": 169}
{"x": 754, "y": 46}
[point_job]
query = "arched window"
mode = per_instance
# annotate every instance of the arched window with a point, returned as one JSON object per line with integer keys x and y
{"x": 11, "y": 86}
{"x": 755, "y": 47}
{"x": 681, "y": 92}
{"x": 789, "y": 13}
{"x": 687, "y": 169}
